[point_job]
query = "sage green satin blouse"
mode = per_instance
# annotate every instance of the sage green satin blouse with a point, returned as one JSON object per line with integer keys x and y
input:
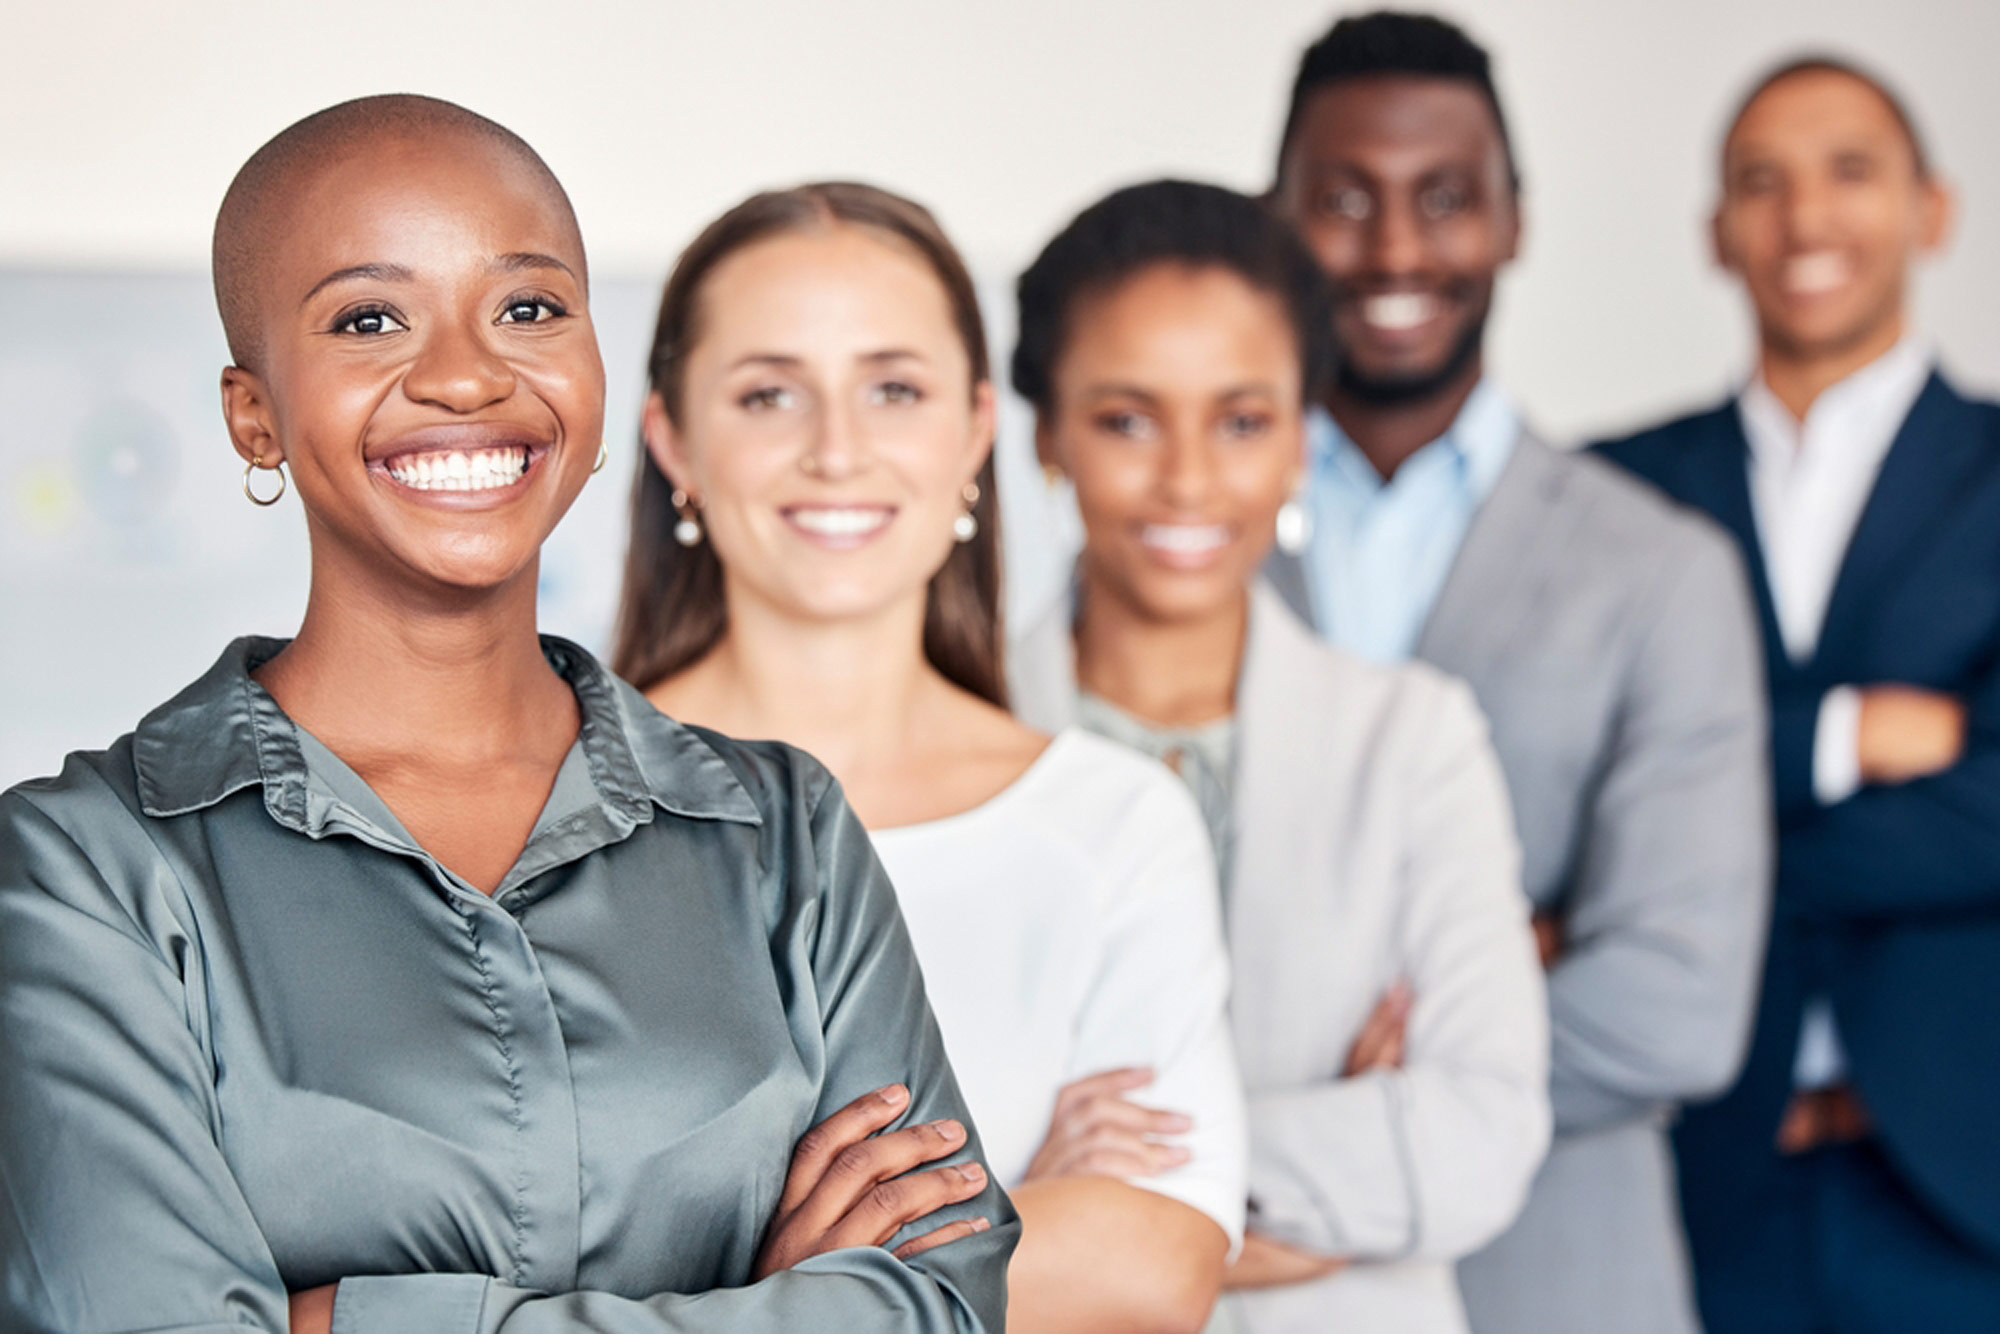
{"x": 253, "y": 1038}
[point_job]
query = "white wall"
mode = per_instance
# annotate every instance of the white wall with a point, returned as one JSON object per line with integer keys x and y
{"x": 121, "y": 122}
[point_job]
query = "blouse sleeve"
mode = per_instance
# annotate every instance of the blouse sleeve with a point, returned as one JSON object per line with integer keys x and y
{"x": 1160, "y": 995}
{"x": 1434, "y": 1159}
{"x": 117, "y": 1208}
{"x": 121, "y": 1212}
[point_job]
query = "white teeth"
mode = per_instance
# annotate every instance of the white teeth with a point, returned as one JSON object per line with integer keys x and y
{"x": 842, "y": 522}
{"x": 1398, "y": 311}
{"x": 461, "y": 470}
{"x": 1185, "y": 539}
{"x": 1812, "y": 274}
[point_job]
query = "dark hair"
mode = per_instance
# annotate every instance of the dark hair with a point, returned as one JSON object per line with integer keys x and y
{"x": 672, "y": 610}
{"x": 1828, "y": 64}
{"x": 1386, "y": 42}
{"x": 1168, "y": 222}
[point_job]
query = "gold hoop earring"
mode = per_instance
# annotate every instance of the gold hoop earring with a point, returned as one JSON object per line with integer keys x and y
{"x": 256, "y": 462}
{"x": 687, "y": 531}
{"x": 603, "y": 453}
{"x": 966, "y": 526}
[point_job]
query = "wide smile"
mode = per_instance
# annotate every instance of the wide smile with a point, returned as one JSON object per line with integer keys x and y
{"x": 1815, "y": 273}
{"x": 838, "y": 527}
{"x": 1185, "y": 546}
{"x": 460, "y": 467}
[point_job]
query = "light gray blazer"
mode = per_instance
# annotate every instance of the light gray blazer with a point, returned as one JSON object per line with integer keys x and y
{"x": 1611, "y": 639}
{"x": 1373, "y": 841}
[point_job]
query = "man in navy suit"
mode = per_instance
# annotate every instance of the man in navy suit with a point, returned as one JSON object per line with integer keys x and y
{"x": 1850, "y": 1180}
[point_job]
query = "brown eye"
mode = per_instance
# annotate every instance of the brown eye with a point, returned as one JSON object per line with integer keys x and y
{"x": 1348, "y": 203}
{"x": 1129, "y": 425}
{"x": 368, "y": 322}
{"x": 530, "y": 310}
{"x": 1443, "y": 201}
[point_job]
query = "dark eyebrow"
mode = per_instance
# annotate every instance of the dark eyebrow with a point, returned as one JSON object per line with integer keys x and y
{"x": 528, "y": 259}
{"x": 385, "y": 273}
{"x": 892, "y": 354}
{"x": 1115, "y": 390}
{"x": 765, "y": 359}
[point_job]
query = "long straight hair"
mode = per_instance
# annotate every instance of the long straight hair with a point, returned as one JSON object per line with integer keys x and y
{"x": 672, "y": 609}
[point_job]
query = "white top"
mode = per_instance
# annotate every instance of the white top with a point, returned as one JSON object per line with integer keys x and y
{"x": 1809, "y": 482}
{"x": 1068, "y": 926}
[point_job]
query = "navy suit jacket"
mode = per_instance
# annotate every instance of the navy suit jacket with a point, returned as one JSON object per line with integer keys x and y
{"x": 1887, "y": 902}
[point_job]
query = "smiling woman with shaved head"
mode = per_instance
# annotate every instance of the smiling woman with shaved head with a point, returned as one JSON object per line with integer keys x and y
{"x": 414, "y": 973}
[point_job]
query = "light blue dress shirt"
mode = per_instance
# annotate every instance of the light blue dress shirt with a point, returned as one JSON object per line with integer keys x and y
{"x": 1380, "y": 550}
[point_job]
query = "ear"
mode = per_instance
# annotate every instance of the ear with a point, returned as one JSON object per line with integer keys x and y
{"x": 1516, "y": 230}
{"x": 1718, "y": 242}
{"x": 246, "y": 411}
{"x": 1045, "y": 443}
{"x": 1939, "y": 211}
{"x": 663, "y": 442}
{"x": 985, "y": 425}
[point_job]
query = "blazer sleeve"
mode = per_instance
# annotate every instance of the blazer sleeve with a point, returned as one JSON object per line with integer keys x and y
{"x": 1652, "y": 998}
{"x": 1435, "y": 1159}
{"x": 1926, "y": 847}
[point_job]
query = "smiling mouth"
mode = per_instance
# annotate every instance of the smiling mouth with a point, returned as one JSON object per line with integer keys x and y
{"x": 1184, "y": 541}
{"x": 1815, "y": 273}
{"x": 839, "y": 524}
{"x": 1399, "y": 312}
{"x": 460, "y": 469}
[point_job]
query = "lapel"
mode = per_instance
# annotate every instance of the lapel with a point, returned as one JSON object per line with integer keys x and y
{"x": 1511, "y": 550}
{"x": 1924, "y": 477}
{"x": 1714, "y": 470}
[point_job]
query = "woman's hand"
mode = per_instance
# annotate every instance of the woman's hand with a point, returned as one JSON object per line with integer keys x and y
{"x": 1096, "y": 1132}
{"x": 846, "y": 1185}
{"x": 312, "y": 1310}
{"x": 1379, "y": 1044}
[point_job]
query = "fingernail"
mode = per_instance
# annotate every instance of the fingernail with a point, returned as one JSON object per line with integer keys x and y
{"x": 895, "y": 1095}
{"x": 971, "y": 1173}
{"x": 1173, "y": 1122}
{"x": 949, "y": 1129}
{"x": 1179, "y": 1155}
{"x": 980, "y": 1225}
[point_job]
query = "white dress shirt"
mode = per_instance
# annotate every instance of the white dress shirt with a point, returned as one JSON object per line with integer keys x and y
{"x": 1809, "y": 482}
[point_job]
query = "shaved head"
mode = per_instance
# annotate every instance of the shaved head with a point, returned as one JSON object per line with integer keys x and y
{"x": 255, "y": 213}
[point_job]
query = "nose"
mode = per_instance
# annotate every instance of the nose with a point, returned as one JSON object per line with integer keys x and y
{"x": 1395, "y": 244}
{"x": 835, "y": 448}
{"x": 1187, "y": 468}
{"x": 458, "y": 370}
{"x": 1808, "y": 207}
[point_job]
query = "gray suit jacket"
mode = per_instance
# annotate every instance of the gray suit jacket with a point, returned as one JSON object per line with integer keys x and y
{"x": 1611, "y": 640}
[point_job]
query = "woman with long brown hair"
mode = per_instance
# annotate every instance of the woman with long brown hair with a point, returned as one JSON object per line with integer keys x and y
{"x": 814, "y": 557}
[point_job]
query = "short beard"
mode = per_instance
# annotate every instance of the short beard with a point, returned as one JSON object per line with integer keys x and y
{"x": 1389, "y": 391}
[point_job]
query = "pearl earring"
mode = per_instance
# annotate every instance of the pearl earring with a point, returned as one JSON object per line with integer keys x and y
{"x": 687, "y": 531}
{"x": 966, "y": 526}
{"x": 1294, "y": 526}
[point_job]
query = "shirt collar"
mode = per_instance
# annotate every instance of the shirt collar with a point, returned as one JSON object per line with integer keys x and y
{"x": 225, "y": 733}
{"x": 1871, "y": 403}
{"x": 1481, "y": 440}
